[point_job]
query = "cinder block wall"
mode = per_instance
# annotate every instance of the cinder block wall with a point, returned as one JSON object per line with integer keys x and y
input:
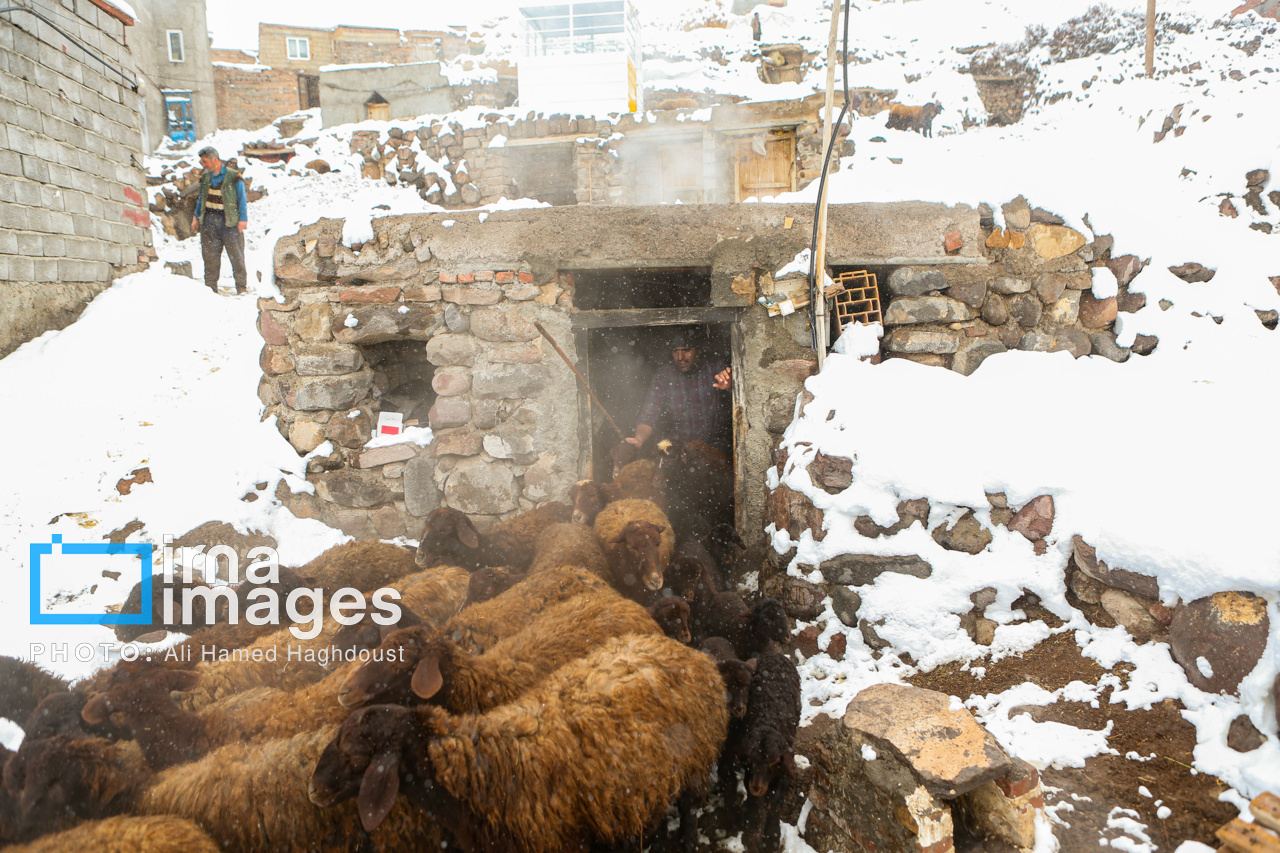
{"x": 72, "y": 211}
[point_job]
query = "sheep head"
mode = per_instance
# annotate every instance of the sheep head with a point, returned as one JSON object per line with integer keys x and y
{"x": 737, "y": 683}
{"x": 390, "y": 678}
{"x": 587, "y": 500}
{"x": 488, "y": 582}
{"x": 672, "y": 615}
{"x": 769, "y": 756}
{"x": 446, "y": 532}
{"x": 368, "y": 635}
{"x": 770, "y": 620}
{"x": 134, "y": 687}
{"x": 365, "y": 759}
{"x": 640, "y": 540}
{"x": 683, "y": 576}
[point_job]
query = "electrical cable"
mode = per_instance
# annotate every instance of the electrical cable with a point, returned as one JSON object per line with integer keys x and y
{"x": 814, "y": 288}
{"x": 132, "y": 83}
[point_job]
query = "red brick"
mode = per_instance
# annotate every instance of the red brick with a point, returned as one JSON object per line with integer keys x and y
{"x": 526, "y": 277}
{"x": 484, "y": 275}
{"x": 448, "y": 278}
{"x": 466, "y": 278}
{"x": 370, "y": 294}
{"x": 952, "y": 240}
{"x": 504, "y": 276}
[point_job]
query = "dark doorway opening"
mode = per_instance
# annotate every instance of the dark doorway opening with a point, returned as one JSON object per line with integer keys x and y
{"x": 401, "y": 378}
{"x": 682, "y": 287}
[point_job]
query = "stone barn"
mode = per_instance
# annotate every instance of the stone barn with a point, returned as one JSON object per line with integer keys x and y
{"x": 434, "y": 318}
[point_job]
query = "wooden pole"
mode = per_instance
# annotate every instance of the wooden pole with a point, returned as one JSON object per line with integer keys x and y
{"x": 581, "y": 378}
{"x": 1151, "y": 37}
{"x": 822, "y": 330}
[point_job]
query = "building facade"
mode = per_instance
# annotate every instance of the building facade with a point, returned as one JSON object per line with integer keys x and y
{"x": 170, "y": 44}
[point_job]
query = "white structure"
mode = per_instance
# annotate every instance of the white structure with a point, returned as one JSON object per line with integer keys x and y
{"x": 581, "y": 58}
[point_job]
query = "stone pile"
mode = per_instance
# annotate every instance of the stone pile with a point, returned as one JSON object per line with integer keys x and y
{"x": 903, "y": 766}
{"x": 1035, "y": 295}
{"x": 1259, "y": 206}
{"x": 173, "y": 196}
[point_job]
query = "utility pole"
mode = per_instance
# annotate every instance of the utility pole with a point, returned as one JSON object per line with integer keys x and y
{"x": 822, "y": 326}
{"x": 1151, "y": 37}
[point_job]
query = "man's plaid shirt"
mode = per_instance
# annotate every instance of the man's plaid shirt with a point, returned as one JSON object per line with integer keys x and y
{"x": 687, "y": 406}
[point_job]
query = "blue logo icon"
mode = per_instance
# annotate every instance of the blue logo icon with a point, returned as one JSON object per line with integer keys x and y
{"x": 142, "y": 550}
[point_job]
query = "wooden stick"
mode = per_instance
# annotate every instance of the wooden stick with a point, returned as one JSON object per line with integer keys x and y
{"x": 581, "y": 378}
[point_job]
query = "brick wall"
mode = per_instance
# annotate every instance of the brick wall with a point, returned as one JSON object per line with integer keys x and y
{"x": 251, "y": 98}
{"x": 72, "y": 212}
{"x": 273, "y": 47}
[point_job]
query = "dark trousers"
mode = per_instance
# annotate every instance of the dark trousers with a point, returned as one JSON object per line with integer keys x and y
{"x": 214, "y": 237}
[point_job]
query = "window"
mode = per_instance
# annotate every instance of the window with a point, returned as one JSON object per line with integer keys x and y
{"x": 177, "y": 50}
{"x": 299, "y": 49}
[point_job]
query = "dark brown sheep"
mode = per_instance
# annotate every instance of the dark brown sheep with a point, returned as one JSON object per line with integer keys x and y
{"x": 63, "y": 780}
{"x": 429, "y": 597}
{"x": 588, "y": 755}
{"x": 672, "y": 615}
{"x": 636, "y": 481}
{"x": 448, "y": 536}
{"x": 749, "y": 629}
{"x": 695, "y": 485}
{"x": 432, "y": 668}
{"x": 919, "y": 119}
{"x": 491, "y": 581}
{"x": 737, "y": 674}
{"x": 133, "y": 604}
{"x": 25, "y": 684}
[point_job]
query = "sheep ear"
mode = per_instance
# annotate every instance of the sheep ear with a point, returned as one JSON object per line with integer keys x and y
{"x": 752, "y": 664}
{"x": 378, "y": 789}
{"x": 427, "y": 680}
{"x": 96, "y": 710}
{"x": 467, "y": 533}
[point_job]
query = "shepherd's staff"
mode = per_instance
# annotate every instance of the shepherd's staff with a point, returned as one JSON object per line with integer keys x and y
{"x": 581, "y": 378}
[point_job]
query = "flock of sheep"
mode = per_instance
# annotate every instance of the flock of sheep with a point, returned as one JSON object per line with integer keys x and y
{"x": 554, "y": 683}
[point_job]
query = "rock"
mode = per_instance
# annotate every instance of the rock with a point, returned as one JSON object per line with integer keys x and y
{"x": 1060, "y": 339}
{"x": 1063, "y": 312}
{"x": 837, "y": 646}
{"x": 971, "y": 293}
{"x": 926, "y": 309}
{"x": 910, "y": 340}
{"x": 313, "y": 393}
{"x": 1010, "y": 334}
{"x": 1054, "y": 241}
{"x": 517, "y": 448}
{"x": 350, "y": 431}
{"x": 1144, "y": 344}
{"x": 928, "y": 359}
{"x": 872, "y": 640}
{"x": 465, "y": 294}
{"x": 452, "y": 349}
{"x": 915, "y": 281}
{"x": 845, "y": 603}
{"x": 1050, "y": 286}
{"x": 482, "y": 487}
{"x": 1035, "y": 520}
{"x": 1257, "y": 178}
{"x": 271, "y": 330}
{"x": 802, "y": 600}
{"x": 909, "y": 512}
{"x": 451, "y": 381}
{"x": 509, "y": 381}
{"x": 1017, "y": 214}
{"x": 370, "y": 295}
{"x": 456, "y": 319}
{"x": 1243, "y": 735}
{"x": 314, "y": 322}
{"x": 984, "y": 631}
{"x": 1025, "y": 309}
{"x": 791, "y": 511}
{"x": 503, "y": 324}
{"x": 275, "y": 360}
{"x": 994, "y": 310}
{"x": 967, "y": 535}
{"x": 179, "y": 268}
{"x": 1098, "y": 249}
{"x": 973, "y": 351}
{"x": 1226, "y": 208}
{"x": 525, "y": 352}
{"x": 833, "y": 474}
{"x": 327, "y": 359}
{"x": 994, "y": 810}
{"x": 1130, "y": 303}
{"x": 1086, "y": 588}
{"x": 353, "y": 489}
{"x": 1228, "y": 630}
{"x": 306, "y": 435}
{"x": 385, "y": 455}
{"x": 778, "y": 411}
{"x": 1009, "y": 286}
{"x": 319, "y": 166}
{"x": 1126, "y": 268}
{"x": 1097, "y": 313}
{"x": 1086, "y": 559}
{"x": 376, "y": 324}
{"x": 389, "y": 522}
{"x": 1193, "y": 273}
{"x": 1129, "y": 611}
{"x": 807, "y": 640}
{"x": 946, "y": 749}
{"x": 863, "y": 569}
{"x": 449, "y": 412}
{"x": 421, "y": 497}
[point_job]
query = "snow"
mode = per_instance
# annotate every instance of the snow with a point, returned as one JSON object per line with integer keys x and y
{"x": 1159, "y": 463}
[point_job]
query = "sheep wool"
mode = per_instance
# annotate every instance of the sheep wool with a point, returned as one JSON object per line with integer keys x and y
{"x": 621, "y": 731}
{"x": 569, "y": 544}
{"x": 158, "y": 834}
{"x": 617, "y": 515}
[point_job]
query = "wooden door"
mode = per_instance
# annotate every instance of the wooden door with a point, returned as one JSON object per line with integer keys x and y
{"x": 765, "y": 175}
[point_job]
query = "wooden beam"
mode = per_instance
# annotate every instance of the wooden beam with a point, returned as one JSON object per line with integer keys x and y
{"x": 623, "y": 317}
{"x": 1266, "y": 810}
{"x": 1248, "y": 837}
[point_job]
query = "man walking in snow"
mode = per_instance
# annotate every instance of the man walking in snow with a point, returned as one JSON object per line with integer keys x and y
{"x": 221, "y": 218}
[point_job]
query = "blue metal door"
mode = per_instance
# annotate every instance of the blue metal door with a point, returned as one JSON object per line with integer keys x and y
{"x": 181, "y": 119}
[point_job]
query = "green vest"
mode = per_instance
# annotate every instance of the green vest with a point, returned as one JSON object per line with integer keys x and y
{"x": 230, "y": 203}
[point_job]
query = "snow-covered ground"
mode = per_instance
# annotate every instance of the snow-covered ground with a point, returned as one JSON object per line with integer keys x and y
{"x": 1161, "y": 463}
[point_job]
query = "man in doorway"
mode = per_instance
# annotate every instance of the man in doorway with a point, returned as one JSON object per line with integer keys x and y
{"x": 221, "y": 217}
{"x": 687, "y": 397}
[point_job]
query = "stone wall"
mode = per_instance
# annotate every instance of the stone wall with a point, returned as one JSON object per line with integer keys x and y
{"x": 1004, "y": 98}
{"x": 72, "y": 211}
{"x": 251, "y": 97}
{"x": 410, "y": 90}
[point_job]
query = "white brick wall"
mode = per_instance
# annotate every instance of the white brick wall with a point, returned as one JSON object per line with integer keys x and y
{"x": 69, "y": 138}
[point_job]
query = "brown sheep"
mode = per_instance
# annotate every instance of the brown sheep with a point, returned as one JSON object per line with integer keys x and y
{"x": 431, "y": 667}
{"x": 919, "y": 119}
{"x": 694, "y": 485}
{"x": 429, "y": 597}
{"x": 637, "y": 480}
{"x": 25, "y": 685}
{"x": 491, "y": 581}
{"x": 449, "y": 536}
{"x": 62, "y": 780}
{"x": 588, "y": 755}
{"x": 158, "y": 834}
{"x": 736, "y": 673}
{"x": 639, "y": 542}
{"x": 569, "y": 544}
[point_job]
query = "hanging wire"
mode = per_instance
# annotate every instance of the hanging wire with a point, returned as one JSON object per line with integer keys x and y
{"x": 817, "y": 291}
